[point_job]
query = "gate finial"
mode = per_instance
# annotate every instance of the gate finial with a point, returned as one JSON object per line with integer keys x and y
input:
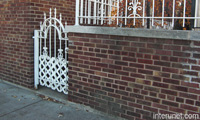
{"x": 60, "y": 17}
{"x": 65, "y": 24}
{"x": 50, "y": 13}
{"x": 40, "y": 25}
{"x": 55, "y": 12}
{"x": 44, "y": 16}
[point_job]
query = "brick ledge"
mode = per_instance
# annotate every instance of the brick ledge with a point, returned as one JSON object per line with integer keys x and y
{"x": 166, "y": 34}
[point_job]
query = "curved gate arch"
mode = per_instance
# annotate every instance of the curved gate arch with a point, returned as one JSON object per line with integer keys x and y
{"x": 51, "y": 54}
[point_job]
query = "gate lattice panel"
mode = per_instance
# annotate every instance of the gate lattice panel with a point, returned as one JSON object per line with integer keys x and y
{"x": 51, "y": 64}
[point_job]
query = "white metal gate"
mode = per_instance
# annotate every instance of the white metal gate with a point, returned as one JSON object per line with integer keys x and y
{"x": 50, "y": 54}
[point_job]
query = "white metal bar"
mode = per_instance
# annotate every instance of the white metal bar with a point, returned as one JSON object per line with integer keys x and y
{"x": 184, "y": 8}
{"x": 85, "y": 11}
{"x": 40, "y": 44}
{"x": 117, "y": 12}
{"x": 66, "y": 46}
{"x": 40, "y": 35}
{"x": 153, "y": 13}
{"x": 60, "y": 29}
{"x": 36, "y": 59}
{"x": 45, "y": 42}
{"x": 196, "y": 12}
{"x": 66, "y": 42}
{"x": 134, "y": 15}
{"x": 98, "y": 12}
{"x": 55, "y": 40}
{"x": 163, "y": 14}
{"x": 110, "y": 10}
{"x": 102, "y": 12}
{"x": 150, "y": 17}
{"x": 81, "y": 10}
{"x": 89, "y": 11}
{"x": 173, "y": 13}
{"x": 143, "y": 12}
{"x": 77, "y": 13}
{"x": 45, "y": 39}
{"x": 105, "y": 9}
{"x": 50, "y": 41}
{"x": 55, "y": 34}
{"x": 95, "y": 12}
{"x": 126, "y": 12}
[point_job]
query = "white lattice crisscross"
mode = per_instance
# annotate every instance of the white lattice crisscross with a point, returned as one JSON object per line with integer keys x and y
{"x": 42, "y": 72}
{"x": 53, "y": 73}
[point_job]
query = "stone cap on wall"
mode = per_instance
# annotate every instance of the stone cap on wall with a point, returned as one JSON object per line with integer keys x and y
{"x": 135, "y": 32}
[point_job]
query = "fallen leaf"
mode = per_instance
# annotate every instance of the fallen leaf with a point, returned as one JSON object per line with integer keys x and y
{"x": 14, "y": 96}
{"x": 45, "y": 98}
{"x": 60, "y": 115}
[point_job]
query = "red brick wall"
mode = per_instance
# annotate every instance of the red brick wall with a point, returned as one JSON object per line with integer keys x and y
{"x": 125, "y": 76}
{"x": 134, "y": 77}
{"x": 18, "y": 19}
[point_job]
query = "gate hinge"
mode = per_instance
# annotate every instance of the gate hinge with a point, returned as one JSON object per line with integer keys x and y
{"x": 71, "y": 43}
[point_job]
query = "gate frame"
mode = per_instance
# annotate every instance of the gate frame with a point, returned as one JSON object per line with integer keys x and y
{"x": 37, "y": 48}
{"x": 36, "y": 58}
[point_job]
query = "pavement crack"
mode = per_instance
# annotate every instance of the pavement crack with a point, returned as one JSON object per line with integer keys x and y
{"x": 20, "y": 108}
{"x": 49, "y": 98}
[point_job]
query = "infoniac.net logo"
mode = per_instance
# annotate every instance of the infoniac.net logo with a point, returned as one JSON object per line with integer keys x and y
{"x": 179, "y": 116}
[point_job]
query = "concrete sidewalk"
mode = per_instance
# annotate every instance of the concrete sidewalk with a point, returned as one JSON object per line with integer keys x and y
{"x": 18, "y": 103}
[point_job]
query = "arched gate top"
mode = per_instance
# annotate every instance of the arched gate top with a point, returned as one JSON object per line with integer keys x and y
{"x": 53, "y": 22}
